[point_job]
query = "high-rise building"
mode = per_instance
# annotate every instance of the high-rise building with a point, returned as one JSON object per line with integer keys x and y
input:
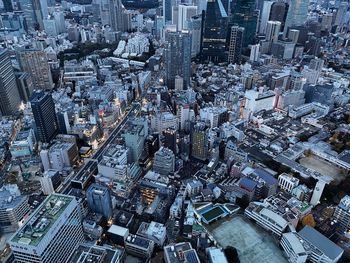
{"x": 9, "y": 95}
{"x": 13, "y": 208}
{"x": 164, "y": 161}
{"x": 342, "y": 213}
{"x": 265, "y": 15}
{"x": 35, "y": 62}
{"x": 243, "y": 14}
{"x": 99, "y": 200}
{"x": 279, "y": 12}
{"x": 28, "y": 10}
{"x": 273, "y": 29}
{"x": 235, "y": 46}
{"x": 214, "y": 35}
{"x": 120, "y": 20}
{"x": 41, "y": 12}
{"x": 51, "y": 233}
{"x": 167, "y": 10}
{"x": 254, "y": 53}
{"x": 297, "y": 14}
{"x": 199, "y": 140}
{"x": 170, "y": 139}
{"x": 195, "y": 27}
{"x": 8, "y": 7}
{"x": 185, "y": 13}
{"x": 341, "y": 13}
{"x": 178, "y": 57}
{"x": 43, "y": 109}
{"x": 25, "y": 85}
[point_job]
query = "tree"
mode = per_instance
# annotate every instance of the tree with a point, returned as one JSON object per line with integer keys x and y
{"x": 231, "y": 254}
{"x": 308, "y": 221}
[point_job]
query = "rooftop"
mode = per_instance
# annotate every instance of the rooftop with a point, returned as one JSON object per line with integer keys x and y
{"x": 42, "y": 219}
{"x": 322, "y": 243}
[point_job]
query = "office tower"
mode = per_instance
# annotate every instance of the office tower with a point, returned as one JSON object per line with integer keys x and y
{"x": 167, "y": 10}
{"x": 279, "y": 12}
{"x": 99, "y": 200}
{"x": 326, "y": 22}
{"x": 341, "y": 13}
{"x": 214, "y": 33}
{"x": 185, "y": 13}
{"x": 195, "y": 27}
{"x": 297, "y": 14}
{"x": 199, "y": 140}
{"x": 170, "y": 139}
{"x": 9, "y": 95}
{"x": 41, "y": 12}
{"x": 273, "y": 29}
{"x": 120, "y": 20}
{"x": 293, "y": 35}
{"x": 235, "y": 46}
{"x": 178, "y": 57}
{"x": 7, "y": 5}
{"x": 28, "y": 10}
{"x": 243, "y": 14}
{"x": 13, "y": 208}
{"x": 50, "y": 27}
{"x": 60, "y": 22}
{"x": 135, "y": 136}
{"x": 254, "y": 53}
{"x": 43, "y": 109}
{"x": 51, "y": 233}
{"x": 35, "y": 62}
{"x": 342, "y": 213}
{"x": 25, "y": 85}
{"x": 265, "y": 15}
{"x": 164, "y": 161}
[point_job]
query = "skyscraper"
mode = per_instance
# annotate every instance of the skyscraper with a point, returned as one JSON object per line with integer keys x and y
{"x": 120, "y": 20}
{"x": 199, "y": 141}
{"x": 273, "y": 30}
{"x": 279, "y": 12}
{"x": 9, "y": 95}
{"x": 43, "y": 109}
{"x": 99, "y": 200}
{"x": 243, "y": 14}
{"x": 214, "y": 32}
{"x": 178, "y": 57}
{"x": 51, "y": 233}
{"x": 195, "y": 27}
{"x": 167, "y": 10}
{"x": 185, "y": 13}
{"x": 265, "y": 15}
{"x": 341, "y": 13}
{"x": 28, "y": 10}
{"x": 35, "y": 62}
{"x": 297, "y": 14}
{"x": 235, "y": 47}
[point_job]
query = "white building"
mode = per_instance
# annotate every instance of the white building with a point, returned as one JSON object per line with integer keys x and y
{"x": 309, "y": 244}
{"x": 266, "y": 218}
{"x": 342, "y": 213}
{"x": 154, "y": 231}
{"x": 162, "y": 121}
{"x": 287, "y": 182}
{"x": 51, "y": 233}
{"x": 59, "y": 156}
{"x": 139, "y": 246}
{"x": 256, "y": 101}
{"x": 213, "y": 115}
{"x": 185, "y": 13}
{"x": 50, "y": 181}
{"x": 114, "y": 163}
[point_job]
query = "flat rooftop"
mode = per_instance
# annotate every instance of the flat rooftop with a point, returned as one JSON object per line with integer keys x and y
{"x": 253, "y": 243}
{"x": 42, "y": 219}
{"x": 95, "y": 254}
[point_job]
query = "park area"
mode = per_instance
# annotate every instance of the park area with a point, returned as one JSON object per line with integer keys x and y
{"x": 252, "y": 243}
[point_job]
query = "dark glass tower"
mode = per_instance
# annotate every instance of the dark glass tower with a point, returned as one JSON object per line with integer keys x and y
{"x": 99, "y": 200}
{"x": 9, "y": 95}
{"x": 178, "y": 57}
{"x": 214, "y": 35}
{"x": 279, "y": 13}
{"x": 43, "y": 109}
{"x": 243, "y": 14}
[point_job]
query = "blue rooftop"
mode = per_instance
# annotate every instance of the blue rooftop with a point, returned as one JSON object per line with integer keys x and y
{"x": 247, "y": 183}
{"x": 265, "y": 175}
